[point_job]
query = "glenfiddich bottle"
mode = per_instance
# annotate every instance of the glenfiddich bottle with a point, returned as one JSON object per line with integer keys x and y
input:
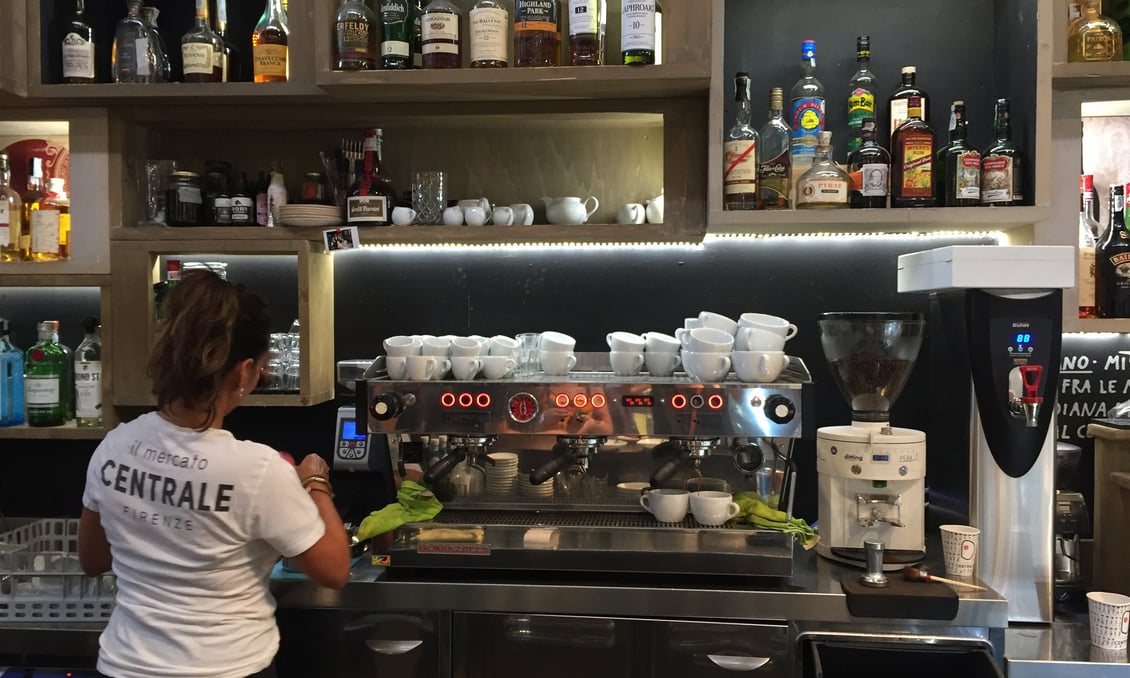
{"x": 78, "y": 48}
{"x": 1002, "y": 164}
{"x": 740, "y": 158}
{"x": 398, "y": 21}
{"x": 44, "y": 379}
{"x": 912, "y": 160}
{"x": 1112, "y": 270}
{"x": 774, "y": 173}
{"x": 371, "y": 198}
{"x": 960, "y": 165}
{"x": 869, "y": 167}
{"x": 355, "y": 37}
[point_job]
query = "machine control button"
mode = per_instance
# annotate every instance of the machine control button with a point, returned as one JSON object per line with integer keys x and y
{"x": 386, "y": 406}
{"x": 903, "y": 470}
{"x": 697, "y": 401}
{"x": 856, "y": 469}
{"x": 781, "y": 410}
{"x": 755, "y": 401}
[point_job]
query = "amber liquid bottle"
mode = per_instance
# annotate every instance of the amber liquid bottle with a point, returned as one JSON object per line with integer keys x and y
{"x": 537, "y": 33}
{"x": 586, "y": 32}
{"x": 269, "y": 45}
{"x": 912, "y": 160}
{"x": 441, "y": 35}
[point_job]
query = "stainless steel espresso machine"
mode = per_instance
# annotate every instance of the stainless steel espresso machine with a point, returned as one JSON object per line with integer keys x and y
{"x": 617, "y": 435}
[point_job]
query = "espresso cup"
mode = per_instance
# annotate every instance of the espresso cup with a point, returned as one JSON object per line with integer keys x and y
{"x": 691, "y": 323}
{"x": 498, "y": 366}
{"x": 421, "y": 367}
{"x": 403, "y": 216}
{"x": 437, "y": 346}
{"x": 484, "y": 344}
{"x": 557, "y": 342}
{"x": 503, "y": 345}
{"x": 706, "y": 340}
{"x": 502, "y": 216}
{"x": 443, "y": 366}
{"x": 759, "y": 366}
{"x": 474, "y": 216}
{"x": 626, "y": 363}
{"x": 523, "y": 214}
{"x": 718, "y": 322}
{"x": 661, "y": 364}
{"x": 658, "y": 342}
{"x": 466, "y": 368}
{"x": 397, "y": 367}
{"x": 557, "y": 363}
{"x": 772, "y": 323}
{"x": 453, "y": 216}
{"x": 712, "y": 508}
{"x": 757, "y": 339}
{"x": 401, "y": 345}
{"x": 706, "y": 367}
{"x": 465, "y": 347}
{"x": 668, "y": 506}
{"x": 624, "y": 341}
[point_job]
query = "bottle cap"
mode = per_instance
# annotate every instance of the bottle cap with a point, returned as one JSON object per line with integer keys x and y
{"x": 863, "y": 46}
{"x": 49, "y": 325}
{"x": 959, "y": 103}
{"x": 825, "y": 139}
{"x": 776, "y": 98}
{"x": 808, "y": 49}
{"x": 907, "y": 70}
{"x": 1087, "y": 182}
{"x": 89, "y": 325}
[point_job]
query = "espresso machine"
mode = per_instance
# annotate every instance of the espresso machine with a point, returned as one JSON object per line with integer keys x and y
{"x": 996, "y": 318}
{"x": 871, "y": 475}
{"x": 619, "y": 435}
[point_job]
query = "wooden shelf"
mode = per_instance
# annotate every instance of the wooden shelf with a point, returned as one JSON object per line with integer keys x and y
{"x": 1096, "y": 325}
{"x": 930, "y": 219}
{"x": 1074, "y": 76}
{"x": 69, "y": 431}
{"x": 52, "y": 279}
{"x": 179, "y": 93}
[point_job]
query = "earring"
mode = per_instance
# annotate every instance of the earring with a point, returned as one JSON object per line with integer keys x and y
{"x": 241, "y": 392}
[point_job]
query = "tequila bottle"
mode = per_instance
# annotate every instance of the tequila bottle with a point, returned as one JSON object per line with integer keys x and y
{"x": 740, "y": 159}
{"x": 807, "y": 98}
{"x": 131, "y": 55}
{"x": 44, "y": 379}
{"x": 825, "y": 185}
{"x": 11, "y": 214}
{"x": 774, "y": 172}
{"x": 1094, "y": 37}
{"x": 11, "y": 378}
{"x": 88, "y": 376}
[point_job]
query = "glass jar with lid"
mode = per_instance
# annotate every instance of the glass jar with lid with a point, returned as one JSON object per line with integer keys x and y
{"x": 184, "y": 199}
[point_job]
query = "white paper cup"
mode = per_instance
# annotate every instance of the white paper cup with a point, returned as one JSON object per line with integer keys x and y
{"x": 959, "y": 546}
{"x": 1110, "y": 619}
{"x": 1101, "y": 655}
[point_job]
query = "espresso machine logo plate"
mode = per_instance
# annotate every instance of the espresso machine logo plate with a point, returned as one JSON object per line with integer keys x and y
{"x": 449, "y": 549}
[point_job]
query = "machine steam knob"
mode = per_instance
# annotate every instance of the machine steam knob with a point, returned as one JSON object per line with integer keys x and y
{"x": 779, "y": 409}
{"x": 386, "y": 406}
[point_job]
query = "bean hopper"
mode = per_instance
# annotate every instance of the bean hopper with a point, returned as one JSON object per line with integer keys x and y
{"x": 871, "y": 474}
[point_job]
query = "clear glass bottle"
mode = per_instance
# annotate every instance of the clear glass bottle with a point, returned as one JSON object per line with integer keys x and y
{"x": 1094, "y": 37}
{"x": 159, "y": 62}
{"x": 861, "y": 96}
{"x": 587, "y": 20}
{"x": 899, "y": 100}
{"x": 355, "y": 36}
{"x": 825, "y": 185}
{"x": 11, "y": 378}
{"x": 442, "y": 35}
{"x": 11, "y": 214}
{"x": 88, "y": 377}
{"x": 638, "y": 32}
{"x": 960, "y": 164}
{"x": 58, "y": 200}
{"x": 78, "y": 48}
{"x": 44, "y": 379}
{"x": 740, "y": 158}
{"x": 371, "y": 198}
{"x": 32, "y": 202}
{"x": 489, "y": 26}
{"x": 913, "y": 179}
{"x": 869, "y": 166}
{"x": 774, "y": 173}
{"x": 1002, "y": 164}
{"x": 1085, "y": 283}
{"x": 132, "y": 54}
{"x": 807, "y": 120}
{"x": 269, "y": 45}
{"x": 197, "y": 49}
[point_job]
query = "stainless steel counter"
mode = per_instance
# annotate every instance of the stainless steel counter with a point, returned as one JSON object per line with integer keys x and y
{"x": 1060, "y": 650}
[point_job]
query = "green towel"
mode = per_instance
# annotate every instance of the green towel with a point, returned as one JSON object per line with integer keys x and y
{"x": 414, "y": 504}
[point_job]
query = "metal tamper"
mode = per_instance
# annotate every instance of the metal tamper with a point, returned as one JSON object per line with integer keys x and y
{"x": 874, "y": 577}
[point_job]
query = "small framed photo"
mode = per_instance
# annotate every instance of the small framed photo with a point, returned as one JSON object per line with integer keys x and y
{"x": 341, "y": 239}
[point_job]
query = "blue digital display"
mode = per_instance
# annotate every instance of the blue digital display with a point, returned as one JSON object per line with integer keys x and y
{"x": 880, "y": 457}
{"x": 1022, "y": 339}
{"x": 349, "y": 430}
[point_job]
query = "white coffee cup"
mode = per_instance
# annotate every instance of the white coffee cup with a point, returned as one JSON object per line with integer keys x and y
{"x": 465, "y": 347}
{"x": 705, "y": 340}
{"x": 668, "y": 506}
{"x": 626, "y": 363}
{"x": 437, "y": 346}
{"x": 523, "y": 214}
{"x": 397, "y": 367}
{"x": 759, "y": 366}
{"x": 443, "y": 366}
{"x": 465, "y": 368}
{"x": 772, "y": 323}
{"x": 661, "y": 364}
{"x": 712, "y": 508}
{"x": 706, "y": 367}
{"x": 658, "y": 342}
{"x": 556, "y": 341}
{"x": 691, "y": 323}
{"x": 453, "y": 216}
{"x": 631, "y": 213}
{"x": 484, "y": 344}
{"x": 503, "y": 345}
{"x": 498, "y": 366}
{"x": 718, "y": 321}
{"x": 502, "y": 216}
{"x": 757, "y": 339}
{"x": 402, "y": 345}
{"x": 403, "y": 216}
{"x": 624, "y": 341}
{"x": 482, "y": 203}
{"x": 421, "y": 367}
{"x": 557, "y": 363}
{"x": 474, "y": 216}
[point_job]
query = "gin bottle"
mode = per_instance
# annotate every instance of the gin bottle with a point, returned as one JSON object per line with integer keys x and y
{"x": 44, "y": 379}
{"x": 11, "y": 379}
{"x": 131, "y": 52}
{"x": 825, "y": 185}
{"x": 807, "y": 98}
{"x": 88, "y": 377}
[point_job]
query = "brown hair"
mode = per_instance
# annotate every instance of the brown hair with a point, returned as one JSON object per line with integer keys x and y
{"x": 210, "y": 326}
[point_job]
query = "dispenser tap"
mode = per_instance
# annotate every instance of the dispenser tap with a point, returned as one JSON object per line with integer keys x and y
{"x": 1028, "y": 405}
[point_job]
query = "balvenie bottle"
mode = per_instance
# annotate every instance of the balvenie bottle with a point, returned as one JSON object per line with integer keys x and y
{"x": 960, "y": 165}
{"x": 537, "y": 33}
{"x": 355, "y": 37}
{"x": 45, "y": 379}
{"x": 912, "y": 160}
{"x": 869, "y": 167}
{"x": 489, "y": 24}
{"x": 1002, "y": 164}
{"x": 1112, "y": 272}
{"x": 740, "y": 159}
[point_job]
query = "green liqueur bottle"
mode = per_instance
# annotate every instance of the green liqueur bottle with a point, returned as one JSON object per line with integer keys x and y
{"x": 861, "y": 97}
{"x": 960, "y": 164}
{"x": 397, "y": 26}
{"x": 44, "y": 379}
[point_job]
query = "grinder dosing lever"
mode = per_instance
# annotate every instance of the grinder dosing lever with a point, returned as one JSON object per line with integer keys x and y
{"x": 1028, "y": 405}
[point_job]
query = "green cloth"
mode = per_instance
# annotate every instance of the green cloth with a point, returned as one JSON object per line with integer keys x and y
{"x": 414, "y": 504}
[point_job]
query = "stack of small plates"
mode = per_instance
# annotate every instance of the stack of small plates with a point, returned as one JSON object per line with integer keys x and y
{"x": 503, "y": 475}
{"x": 527, "y": 489}
{"x": 310, "y": 215}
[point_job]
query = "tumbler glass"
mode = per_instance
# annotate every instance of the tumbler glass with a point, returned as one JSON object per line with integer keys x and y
{"x": 152, "y": 187}
{"x": 429, "y": 196}
{"x": 529, "y": 345}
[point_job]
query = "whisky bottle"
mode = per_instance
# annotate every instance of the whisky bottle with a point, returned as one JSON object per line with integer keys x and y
{"x": 44, "y": 373}
{"x": 11, "y": 378}
{"x": 638, "y": 32}
{"x": 740, "y": 158}
{"x": 11, "y": 214}
{"x": 587, "y": 20}
{"x": 57, "y": 199}
{"x": 417, "y": 35}
{"x": 861, "y": 96}
{"x": 869, "y": 167}
{"x": 397, "y": 21}
{"x": 807, "y": 119}
{"x": 825, "y": 185}
{"x": 441, "y": 35}
{"x": 489, "y": 23}
{"x": 31, "y": 203}
{"x": 269, "y": 45}
{"x": 355, "y": 37}
{"x": 78, "y": 48}
{"x": 537, "y": 33}
{"x": 132, "y": 55}
{"x": 899, "y": 101}
{"x": 774, "y": 171}
{"x": 1085, "y": 282}
{"x": 371, "y": 198}
{"x": 197, "y": 47}
{"x": 1002, "y": 164}
{"x": 88, "y": 377}
{"x": 913, "y": 180}
{"x": 1094, "y": 37}
{"x": 960, "y": 164}
{"x": 1112, "y": 269}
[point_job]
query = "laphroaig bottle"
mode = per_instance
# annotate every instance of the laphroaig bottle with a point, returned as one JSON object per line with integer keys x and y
{"x": 960, "y": 165}
{"x": 1112, "y": 286}
{"x": 861, "y": 96}
{"x": 1002, "y": 164}
{"x": 807, "y": 98}
{"x": 637, "y": 32}
{"x": 1085, "y": 283}
{"x": 825, "y": 185}
{"x": 398, "y": 21}
{"x": 489, "y": 24}
{"x": 88, "y": 377}
{"x": 11, "y": 214}
{"x": 44, "y": 379}
{"x": 774, "y": 172}
{"x": 11, "y": 378}
{"x": 586, "y": 32}
{"x": 740, "y": 158}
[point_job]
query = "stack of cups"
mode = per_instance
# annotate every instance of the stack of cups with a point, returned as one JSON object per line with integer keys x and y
{"x": 706, "y": 352}
{"x": 759, "y": 346}
{"x": 440, "y": 349}
{"x": 661, "y": 354}
{"x": 1110, "y": 620}
{"x": 502, "y": 359}
{"x": 556, "y": 354}
{"x": 625, "y": 352}
{"x": 503, "y": 475}
{"x": 959, "y": 546}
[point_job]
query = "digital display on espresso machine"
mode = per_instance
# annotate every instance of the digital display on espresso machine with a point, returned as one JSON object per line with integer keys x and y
{"x": 1022, "y": 338}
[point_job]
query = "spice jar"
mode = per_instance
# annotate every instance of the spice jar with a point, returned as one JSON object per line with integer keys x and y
{"x": 184, "y": 199}
{"x": 314, "y": 189}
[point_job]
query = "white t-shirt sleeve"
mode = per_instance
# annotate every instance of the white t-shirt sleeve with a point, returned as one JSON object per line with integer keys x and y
{"x": 93, "y": 486}
{"x": 285, "y": 516}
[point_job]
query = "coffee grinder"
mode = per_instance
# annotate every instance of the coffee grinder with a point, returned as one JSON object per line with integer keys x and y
{"x": 1072, "y": 521}
{"x": 871, "y": 475}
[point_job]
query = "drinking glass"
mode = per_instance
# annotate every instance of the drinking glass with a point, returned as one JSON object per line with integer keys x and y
{"x": 154, "y": 181}
{"x": 429, "y": 196}
{"x": 529, "y": 346}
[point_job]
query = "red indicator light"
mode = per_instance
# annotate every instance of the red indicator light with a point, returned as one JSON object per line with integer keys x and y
{"x": 598, "y": 400}
{"x": 482, "y": 400}
{"x": 447, "y": 399}
{"x": 714, "y": 402}
{"x": 466, "y": 400}
{"x": 561, "y": 400}
{"x": 678, "y": 401}
{"x": 581, "y": 400}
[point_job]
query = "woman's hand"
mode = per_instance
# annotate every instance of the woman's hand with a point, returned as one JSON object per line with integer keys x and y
{"x": 313, "y": 465}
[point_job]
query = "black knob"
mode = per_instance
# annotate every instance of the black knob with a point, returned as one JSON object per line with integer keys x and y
{"x": 779, "y": 409}
{"x": 386, "y": 406}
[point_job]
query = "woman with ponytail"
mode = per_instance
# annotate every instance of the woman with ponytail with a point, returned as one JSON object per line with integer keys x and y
{"x": 190, "y": 519}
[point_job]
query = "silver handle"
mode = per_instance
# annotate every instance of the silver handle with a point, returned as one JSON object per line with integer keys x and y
{"x": 736, "y": 663}
{"x": 393, "y": 647}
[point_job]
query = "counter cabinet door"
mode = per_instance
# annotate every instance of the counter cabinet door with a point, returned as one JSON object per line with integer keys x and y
{"x": 355, "y": 644}
{"x": 709, "y": 650}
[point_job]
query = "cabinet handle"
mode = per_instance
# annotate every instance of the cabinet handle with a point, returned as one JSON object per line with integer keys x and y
{"x": 736, "y": 663}
{"x": 393, "y": 647}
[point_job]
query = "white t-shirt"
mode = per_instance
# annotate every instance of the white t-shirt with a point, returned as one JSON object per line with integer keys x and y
{"x": 195, "y": 521}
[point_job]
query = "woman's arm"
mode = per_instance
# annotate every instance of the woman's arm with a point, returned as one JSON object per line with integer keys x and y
{"x": 93, "y": 548}
{"x": 327, "y": 561}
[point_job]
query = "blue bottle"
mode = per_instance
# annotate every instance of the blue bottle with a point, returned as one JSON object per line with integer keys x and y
{"x": 11, "y": 379}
